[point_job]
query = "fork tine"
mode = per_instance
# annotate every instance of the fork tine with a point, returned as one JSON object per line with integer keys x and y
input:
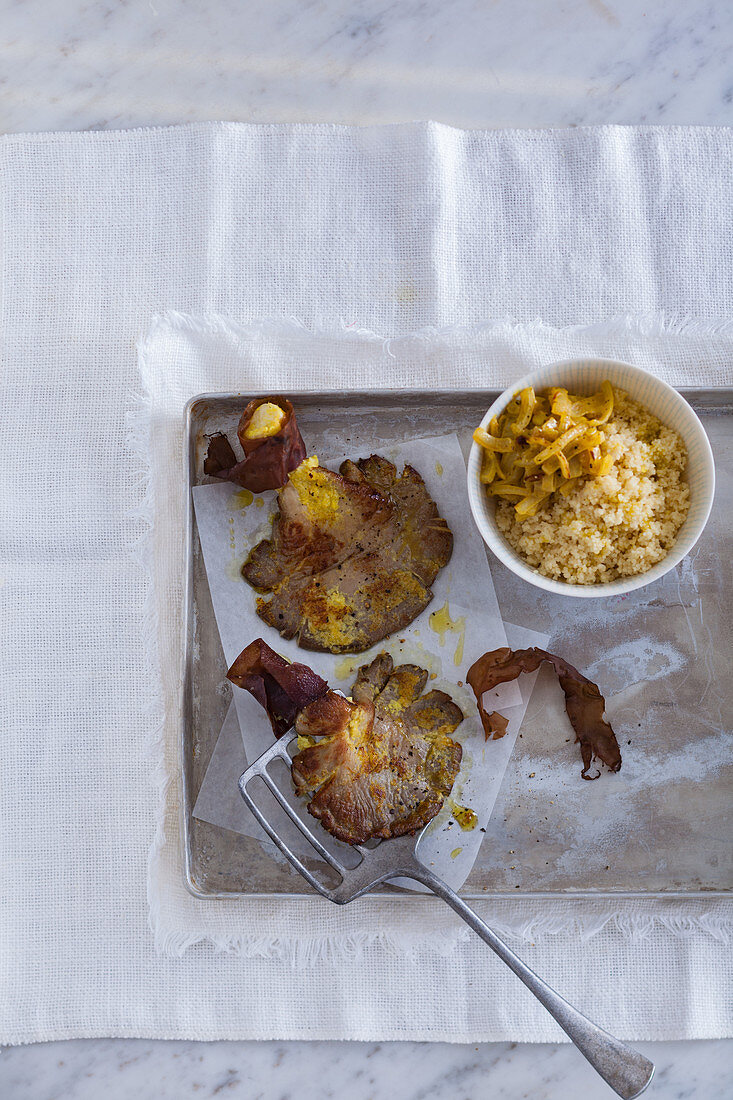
{"x": 275, "y": 836}
{"x": 297, "y": 820}
{"x": 279, "y": 750}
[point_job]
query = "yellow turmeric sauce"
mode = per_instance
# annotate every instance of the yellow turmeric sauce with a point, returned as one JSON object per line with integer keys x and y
{"x": 465, "y": 817}
{"x": 442, "y": 623}
{"x": 242, "y": 499}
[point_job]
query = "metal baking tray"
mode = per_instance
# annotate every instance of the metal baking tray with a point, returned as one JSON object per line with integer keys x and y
{"x": 662, "y": 652}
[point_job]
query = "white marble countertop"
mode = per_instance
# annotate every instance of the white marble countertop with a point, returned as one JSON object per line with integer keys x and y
{"x": 87, "y": 1069}
{"x": 97, "y": 64}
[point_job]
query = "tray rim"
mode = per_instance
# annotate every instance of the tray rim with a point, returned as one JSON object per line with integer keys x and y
{"x": 708, "y": 400}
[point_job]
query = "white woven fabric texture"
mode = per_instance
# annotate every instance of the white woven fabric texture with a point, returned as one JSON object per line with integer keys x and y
{"x": 392, "y": 230}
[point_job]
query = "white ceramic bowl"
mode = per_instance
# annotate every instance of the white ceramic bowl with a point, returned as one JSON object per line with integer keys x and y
{"x": 584, "y": 376}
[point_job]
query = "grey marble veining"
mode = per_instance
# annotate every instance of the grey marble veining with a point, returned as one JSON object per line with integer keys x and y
{"x": 90, "y": 1069}
{"x": 99, "y": 64}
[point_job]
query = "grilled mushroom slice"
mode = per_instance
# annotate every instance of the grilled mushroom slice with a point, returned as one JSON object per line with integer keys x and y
{"x": 351, "y": 557}
{"x": 379, "y": 766}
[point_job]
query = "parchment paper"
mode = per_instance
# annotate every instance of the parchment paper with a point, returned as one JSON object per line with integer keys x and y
{"x": 230, "y": 522}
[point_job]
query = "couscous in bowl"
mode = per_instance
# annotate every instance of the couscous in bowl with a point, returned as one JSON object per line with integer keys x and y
{"x": 632, "y": 525}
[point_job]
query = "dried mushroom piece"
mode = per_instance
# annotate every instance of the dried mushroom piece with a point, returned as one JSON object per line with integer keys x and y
{"x": 583, "y": 701}
{"x": 283, "y": 689}
{"x": 382, "y": 764}
{"x": 495, "y": 725}
{"x": 352, "y": 555}
{"x": 272, "y": 445}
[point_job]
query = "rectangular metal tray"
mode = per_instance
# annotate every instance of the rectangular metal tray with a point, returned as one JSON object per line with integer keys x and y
{"x": 537, "y": 840}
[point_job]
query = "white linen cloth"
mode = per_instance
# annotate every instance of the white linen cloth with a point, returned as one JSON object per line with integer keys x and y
{"x": 388, "y": 229}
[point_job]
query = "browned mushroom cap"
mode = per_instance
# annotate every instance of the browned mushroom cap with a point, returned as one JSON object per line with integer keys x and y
{"x": 346, "y": 564}
{"x": 378, "y": 766}
{"x": 583, "y": 700}
{"x": 268, "y": 459}
{"x": 435, "y": 712}
{"x": 404, "y": 684}
{"x": 383, "y": 764}
{"x": 370, "y": 679}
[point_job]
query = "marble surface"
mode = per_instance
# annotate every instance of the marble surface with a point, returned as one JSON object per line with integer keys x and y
{"x": 98, "y": 64}
{"x": 117, "y": 1069}
{"x": 110, "y": 63}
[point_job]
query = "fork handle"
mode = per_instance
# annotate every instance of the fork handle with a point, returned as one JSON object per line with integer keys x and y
{"x": 624, "y": 1069}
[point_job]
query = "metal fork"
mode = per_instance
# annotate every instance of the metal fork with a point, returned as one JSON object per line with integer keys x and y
{"x": 626, "y": 1071}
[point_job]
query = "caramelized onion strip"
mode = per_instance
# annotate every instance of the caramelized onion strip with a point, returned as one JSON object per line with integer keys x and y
{"x": 544, "y": 443}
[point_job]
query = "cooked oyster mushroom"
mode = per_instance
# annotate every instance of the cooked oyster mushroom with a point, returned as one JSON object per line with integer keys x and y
{"x": 352, "y": 555}
{"x": 383, "y": 763}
